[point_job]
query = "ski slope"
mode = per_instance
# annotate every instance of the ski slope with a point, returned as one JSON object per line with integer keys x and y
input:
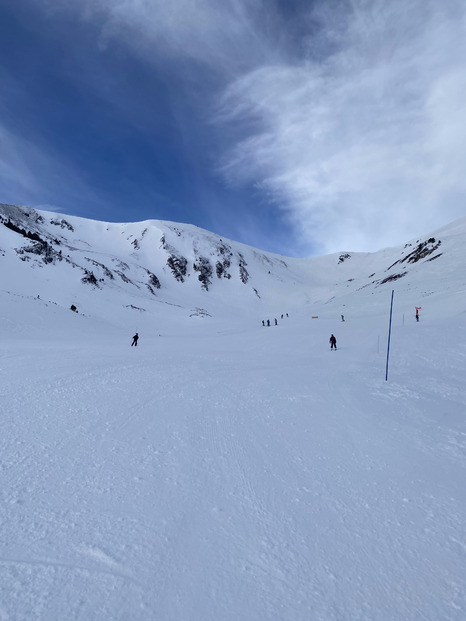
{"x": 226, "y": 471}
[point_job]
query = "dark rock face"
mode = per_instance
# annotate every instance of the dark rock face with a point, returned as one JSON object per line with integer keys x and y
{"x": 42, "y": 249}
{"x": 224, "y": 263}
{"x": 221, "y": 269}
{"x": 203, "y": 266}
{"x": 243, "y": 272}
{"x": 89, "y": 279}
{"x": 422, "y": 250}
{"x": 62, "y": 224}
{"x": 392, "y": 278}
{"x": 178, "y": 266}
{"x": 153, "y": 280}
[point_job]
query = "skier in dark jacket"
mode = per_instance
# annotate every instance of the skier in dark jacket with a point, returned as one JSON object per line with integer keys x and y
{"x": 333, "y": 342}
{"x": 135, "y": 340}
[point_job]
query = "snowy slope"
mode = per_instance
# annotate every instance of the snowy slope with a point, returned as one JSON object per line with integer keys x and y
{"x": 223, "y": 470}
{"x": 142, "y": 264}
{"x": 119, "y": 272}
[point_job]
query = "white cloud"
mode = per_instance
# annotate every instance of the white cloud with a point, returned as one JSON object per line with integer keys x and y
{"x": 224, "y": 35}
{"x": 366, "y": 147}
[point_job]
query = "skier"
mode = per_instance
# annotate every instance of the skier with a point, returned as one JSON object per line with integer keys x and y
{"x": 333, "y": 342}
{"x": 276, "y": 322}
{"x": 263, "y": 322}
{"x": 135, "y": 340}
{"x": 343, "y": 318}
{"x": 417, "y": 312}
{"x": 268, "y": 323}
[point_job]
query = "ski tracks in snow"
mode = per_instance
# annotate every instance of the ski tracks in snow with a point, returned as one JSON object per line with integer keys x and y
{"x": 207, "y": 481}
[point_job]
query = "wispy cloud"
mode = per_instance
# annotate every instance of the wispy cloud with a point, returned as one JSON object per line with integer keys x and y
{"x": 367, "y": 145}
{"x": 227, "y": 34}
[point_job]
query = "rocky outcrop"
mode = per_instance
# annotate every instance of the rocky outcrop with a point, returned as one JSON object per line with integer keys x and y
{"x": 178, "y": 266}
{"x": 203, "y": 266}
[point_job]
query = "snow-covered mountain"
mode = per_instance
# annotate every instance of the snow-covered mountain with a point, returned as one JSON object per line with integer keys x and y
{"x": 221, "y": 470}
{"x": 116, "y": 271}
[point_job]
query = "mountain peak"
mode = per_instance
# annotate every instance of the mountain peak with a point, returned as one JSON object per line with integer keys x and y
{"x": 97, "y": 266}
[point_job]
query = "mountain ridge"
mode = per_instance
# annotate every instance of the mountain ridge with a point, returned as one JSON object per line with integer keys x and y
{"x": 186, "y": 266}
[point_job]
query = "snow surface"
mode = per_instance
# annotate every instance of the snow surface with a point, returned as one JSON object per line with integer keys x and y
{"x": 225, "y": 471}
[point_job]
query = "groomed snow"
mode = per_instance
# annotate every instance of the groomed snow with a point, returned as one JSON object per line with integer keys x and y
{"x": 221, "y": 470}
{"x": 225, "y": 471}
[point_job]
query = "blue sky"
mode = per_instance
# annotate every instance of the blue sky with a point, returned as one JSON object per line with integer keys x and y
{"x": 300, "y": 127}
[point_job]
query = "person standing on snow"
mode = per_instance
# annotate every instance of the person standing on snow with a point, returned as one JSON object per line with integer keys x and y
{"x": 333, "y": 342}
{"x": 135, "y": 340}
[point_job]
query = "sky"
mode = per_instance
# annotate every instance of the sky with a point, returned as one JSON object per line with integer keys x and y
{"x": 299, "y": 127}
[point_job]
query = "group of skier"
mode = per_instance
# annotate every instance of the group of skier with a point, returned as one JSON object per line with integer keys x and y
{"x": 332, "y": 340}
{"x": 267, "y": 322}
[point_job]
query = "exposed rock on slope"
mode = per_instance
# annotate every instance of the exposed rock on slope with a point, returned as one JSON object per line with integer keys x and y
{"x": 186, "y": 267}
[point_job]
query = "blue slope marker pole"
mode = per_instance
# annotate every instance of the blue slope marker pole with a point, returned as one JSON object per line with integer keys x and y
{"x": 389, "y": 333}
